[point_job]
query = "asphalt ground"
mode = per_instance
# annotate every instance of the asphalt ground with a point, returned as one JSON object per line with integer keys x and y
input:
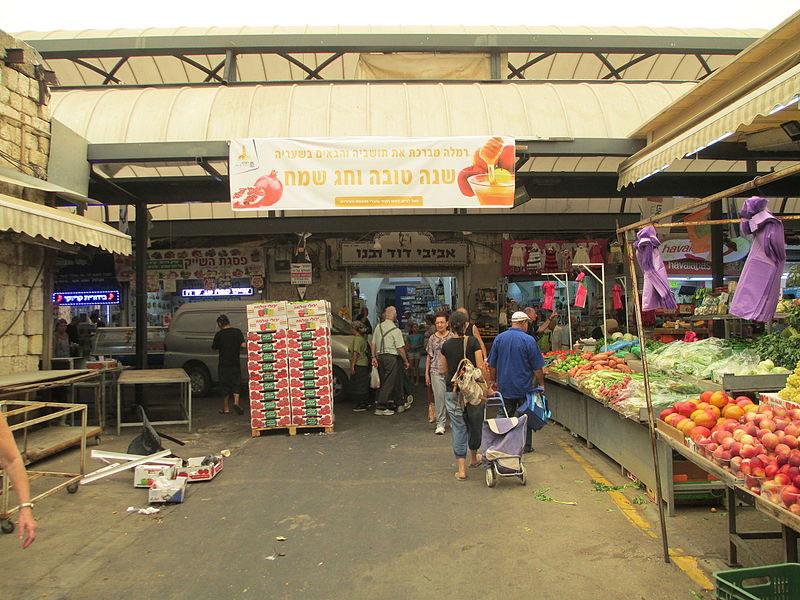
{"x": 372, "y": 510}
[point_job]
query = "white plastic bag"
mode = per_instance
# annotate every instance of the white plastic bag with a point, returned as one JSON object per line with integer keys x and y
{"x": 374, "y": 379}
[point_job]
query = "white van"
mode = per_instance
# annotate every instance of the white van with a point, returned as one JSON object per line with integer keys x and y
{"x": 191, "y": 333}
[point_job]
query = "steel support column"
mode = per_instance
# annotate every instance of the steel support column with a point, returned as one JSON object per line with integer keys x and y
{"x": 140, "y": 262}
{"x": 717, "y": 265}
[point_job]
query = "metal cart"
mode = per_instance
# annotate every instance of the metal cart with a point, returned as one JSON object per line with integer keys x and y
{"x": 70, "y": 480}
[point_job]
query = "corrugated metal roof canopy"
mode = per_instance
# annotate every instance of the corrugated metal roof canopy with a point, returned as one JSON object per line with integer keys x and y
{"x": 195, "y": 55}
{"x": 523, "y": 110}
{"x": 758, "y": 91}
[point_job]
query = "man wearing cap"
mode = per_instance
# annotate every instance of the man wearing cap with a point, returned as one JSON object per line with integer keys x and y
{"x": 514, "y": 361}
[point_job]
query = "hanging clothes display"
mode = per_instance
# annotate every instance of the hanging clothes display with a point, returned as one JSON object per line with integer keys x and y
{"x": 580, "y": 293}
{"x": 616, "y": 297}
{"x": 759, "y": 287}
{"x": 581, "y": 255}
{"x": 656, "y": 292}
{"x": 549, "y": 289}
{"x": 596, "y": 254}
{"x": 517, "y": 258}
{"x": 565, "y": 260}
{"x": 550, "y": 261}
{"x": 535, "y": 260}
{"x": 615, "y": 254}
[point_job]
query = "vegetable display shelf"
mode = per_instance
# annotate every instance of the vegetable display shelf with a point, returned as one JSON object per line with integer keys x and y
{"x": 624, "y": 440}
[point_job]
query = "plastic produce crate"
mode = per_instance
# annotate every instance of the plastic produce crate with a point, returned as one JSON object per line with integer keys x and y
{"x": 770, "y": 582}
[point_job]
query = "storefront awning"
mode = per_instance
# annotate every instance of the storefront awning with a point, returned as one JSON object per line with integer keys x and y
{"x": 23, "y": 180}
{"x": 757, "y": 92}
{"x": 49, "y": 223}
{"x": 767, "y": 99}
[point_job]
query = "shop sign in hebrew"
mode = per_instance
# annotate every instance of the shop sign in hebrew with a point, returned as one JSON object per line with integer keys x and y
{"x": 213, "y": 267}
{"x": 371, "y": 173}
{"x": 403, "y": 249}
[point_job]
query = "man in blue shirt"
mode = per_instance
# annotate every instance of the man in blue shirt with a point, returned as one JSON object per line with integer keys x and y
{"x": 514, "y": 360}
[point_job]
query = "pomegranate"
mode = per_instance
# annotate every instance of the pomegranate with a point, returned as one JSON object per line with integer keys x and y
{"x": 272, "y": 186}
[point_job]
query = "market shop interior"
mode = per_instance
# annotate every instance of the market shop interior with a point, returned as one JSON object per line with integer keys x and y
{"x": 415, "y": 295}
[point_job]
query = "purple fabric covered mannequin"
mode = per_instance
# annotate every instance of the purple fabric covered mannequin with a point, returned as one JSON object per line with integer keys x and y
{"x": 757, "y": 294}
{"x": 656, "y": 292}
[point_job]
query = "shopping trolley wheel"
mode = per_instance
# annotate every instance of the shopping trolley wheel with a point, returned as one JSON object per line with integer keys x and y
{"x": 6, "y": 526}
{"x": 491, "y": 477}
{"x": 72, "y": 488}
{"x": 523, "y": 476}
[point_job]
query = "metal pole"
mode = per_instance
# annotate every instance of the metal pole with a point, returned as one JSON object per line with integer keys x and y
{"x": 140, "y": 261}
{"x": 650, "y": 418}
{"x": 717, "y": 266}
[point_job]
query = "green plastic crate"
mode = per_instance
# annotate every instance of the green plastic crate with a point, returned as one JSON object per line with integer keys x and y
{"x": 770, "y": 582}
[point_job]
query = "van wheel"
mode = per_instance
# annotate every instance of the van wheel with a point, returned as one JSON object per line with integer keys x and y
{"x": 340, "y": 380}
{"x": 200, "y": 379}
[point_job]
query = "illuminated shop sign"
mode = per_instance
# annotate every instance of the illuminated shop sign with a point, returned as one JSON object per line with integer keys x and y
{"x": 219, "y": 292}
{"x": 85, "y": 298}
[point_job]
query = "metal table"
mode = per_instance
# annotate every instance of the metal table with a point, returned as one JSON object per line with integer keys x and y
{"x": 157, "y": 377}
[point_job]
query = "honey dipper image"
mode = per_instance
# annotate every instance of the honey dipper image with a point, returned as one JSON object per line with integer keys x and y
{"x": 490, "y": 177}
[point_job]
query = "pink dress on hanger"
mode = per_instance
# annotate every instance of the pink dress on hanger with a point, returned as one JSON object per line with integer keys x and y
{"x": 549, "y": 289}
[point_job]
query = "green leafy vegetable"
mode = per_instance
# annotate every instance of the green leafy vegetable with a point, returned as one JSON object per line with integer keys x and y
{"x": 541, "y": 494}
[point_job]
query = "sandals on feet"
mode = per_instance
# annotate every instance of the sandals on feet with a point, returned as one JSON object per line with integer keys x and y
{"x": 224, "y": 412}
{"x": 238, "y": 409}
{"x": 461, "y": 478}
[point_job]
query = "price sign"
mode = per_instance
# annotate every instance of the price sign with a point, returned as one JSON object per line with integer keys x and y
{"x": 301, "y": 273}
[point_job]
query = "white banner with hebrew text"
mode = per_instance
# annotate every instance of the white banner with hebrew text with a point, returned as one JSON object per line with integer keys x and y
{"x": 372, "y": 173}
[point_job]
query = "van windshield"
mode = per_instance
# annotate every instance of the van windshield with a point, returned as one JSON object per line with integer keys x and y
{"x": 341, "y": 327}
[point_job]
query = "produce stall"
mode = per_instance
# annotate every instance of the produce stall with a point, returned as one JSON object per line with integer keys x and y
{"x": 601, "y": 399}
{"x": 755, "y": 298}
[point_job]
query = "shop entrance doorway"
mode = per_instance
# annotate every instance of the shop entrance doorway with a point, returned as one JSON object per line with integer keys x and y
{"x": 414, "y": 294}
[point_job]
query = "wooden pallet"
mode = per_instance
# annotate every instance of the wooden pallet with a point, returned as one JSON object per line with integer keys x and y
{"x": 292, "y": 429}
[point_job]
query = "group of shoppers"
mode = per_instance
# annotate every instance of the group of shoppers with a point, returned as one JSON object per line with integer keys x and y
{"x": 513, "y": 368}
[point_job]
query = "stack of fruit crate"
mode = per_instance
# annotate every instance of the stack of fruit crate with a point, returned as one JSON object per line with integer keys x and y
{"x": 310, "y": 367}
{"x": 267, "y": 366}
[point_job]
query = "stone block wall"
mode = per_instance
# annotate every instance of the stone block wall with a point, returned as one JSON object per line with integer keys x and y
{"x": 24, "y": 147}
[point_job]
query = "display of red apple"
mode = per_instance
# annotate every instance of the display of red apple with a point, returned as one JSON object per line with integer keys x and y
{"x": 760, "y": 442}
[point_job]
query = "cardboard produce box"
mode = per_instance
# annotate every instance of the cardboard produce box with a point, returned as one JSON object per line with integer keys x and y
{"x": 309, "y": 382}
{"x": 143, "y": 475}
{"x": 313, "y": 421}
{"x": 315, "y": 411}
{"x": 321, "y": 364}
{"x": 312, "y": 322}
{"x": 320, "y": 392}
{"x": 262, "y": 396}
{"x": 307, "y": 308}
{"x": 270, "y": 405}
{"x": 267, "y": 324}
{"x": 167, "y": 490}
{"x": 294, "y": 334}
{"x": 266, "y": 309}
{"x": 266, "y": 423}
{"x": 194, "y": 470}
{"x": 311, "y": 402}
{"x": 312, "y": 344}
{"x": 266, "y": 336}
